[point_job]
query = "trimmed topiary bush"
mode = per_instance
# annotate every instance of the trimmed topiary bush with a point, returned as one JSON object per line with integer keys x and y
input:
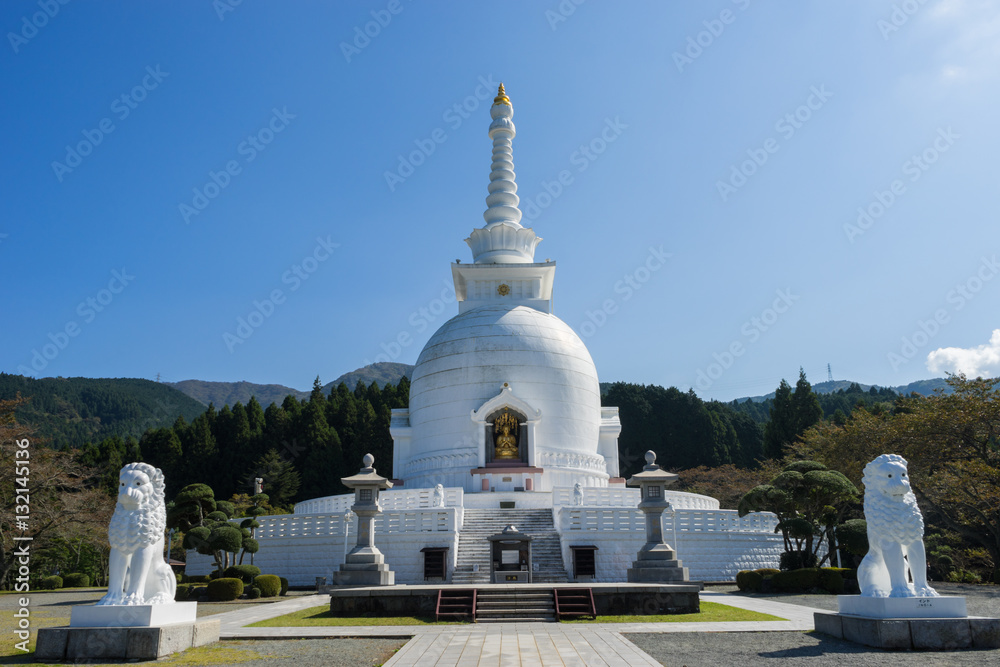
{"x": 198, "y": 592}
{"x": 269, "y": 584}
{"x": 767, "y": 572}
{"x": 244, "y": 573}
{"x": 797, "y": 560}
{"x": 832, "y": 579}
{"x": 183, "y": 592}
{"x": 225, "y": 589}
{"x": 253, "y": 593}
{"x": 797, "y": 580}
{"x": 76, "y": 580}
{"x": 284, "y": 585}
{"x": 748, "y": 580}
{"x": 50, "y": 583}
{"x": 197, "y": 579}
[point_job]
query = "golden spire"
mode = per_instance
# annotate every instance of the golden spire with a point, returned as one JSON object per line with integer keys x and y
{"x": 501, "y": 97}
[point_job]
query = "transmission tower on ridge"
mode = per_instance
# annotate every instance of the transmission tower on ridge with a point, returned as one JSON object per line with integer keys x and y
{"x": 829, "y": 373}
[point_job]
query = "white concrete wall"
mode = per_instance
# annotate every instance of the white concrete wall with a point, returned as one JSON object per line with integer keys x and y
{"x": 303, "y": 547}
{"x": 713, "y": 544}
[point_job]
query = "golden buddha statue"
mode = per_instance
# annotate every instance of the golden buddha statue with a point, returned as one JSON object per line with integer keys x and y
{"x": 505, "y": 441}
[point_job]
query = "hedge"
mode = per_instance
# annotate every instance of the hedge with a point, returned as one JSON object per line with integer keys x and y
{"x": 183, "y": 592}
{"x": 253, "y": 593}
{"x": 244, "y": 573}
{"x": 225, "y": 589}
{"x": 284, "y": 585}
{"x": 830, "y": 579}
{"x": 269, "y": 584}
{"x": 76, "y": 580}
{"x": 50, "y": 582}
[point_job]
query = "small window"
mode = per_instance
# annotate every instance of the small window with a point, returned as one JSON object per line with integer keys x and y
{"x": 366, "y": 495}
{"x": 653, "y": 492}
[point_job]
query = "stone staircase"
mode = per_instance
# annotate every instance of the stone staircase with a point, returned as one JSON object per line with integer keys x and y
{"x": 529, "y": 604}
{"x": 474, "y": 548}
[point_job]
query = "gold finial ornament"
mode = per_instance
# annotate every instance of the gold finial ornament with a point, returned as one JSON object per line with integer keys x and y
{"x": 501, "y": 97}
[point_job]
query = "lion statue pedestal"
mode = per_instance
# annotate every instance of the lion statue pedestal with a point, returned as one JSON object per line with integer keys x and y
{"x": 897, "y": 608}
{"x": 138, "y": 619}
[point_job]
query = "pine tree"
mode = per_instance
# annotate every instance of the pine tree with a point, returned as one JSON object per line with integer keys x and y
{"x": 780, "y": 431}
{"x": 806, "y": 405}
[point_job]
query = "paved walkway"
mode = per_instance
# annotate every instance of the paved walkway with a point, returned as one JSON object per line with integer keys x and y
{"x": 502, "y": 644}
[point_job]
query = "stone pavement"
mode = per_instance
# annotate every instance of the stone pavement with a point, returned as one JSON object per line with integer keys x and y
{"x": 501, "y": 644}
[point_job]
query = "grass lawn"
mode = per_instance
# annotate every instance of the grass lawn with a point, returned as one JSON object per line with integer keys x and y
{"x": 711, "y": 612}
{"x": 320, "y": 616}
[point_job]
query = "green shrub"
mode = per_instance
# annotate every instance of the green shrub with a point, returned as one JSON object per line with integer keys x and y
{"x": 225, "y": 589}
{"x": 797, "y": 560}
{"x": 50, "y": 583}
{"x": 269, "y": 584}
{"x": 284, "y": 585}
{"x": 961, "y": 577}
{"x": 244, "y": 573}
{"x": 76, "y": 580}
{"x": 797, "y": 580}
{"x": 832, "y": 579}
{"x": 749, "y": 580}
{"x": 183, "y": 592}
{"x": 767, "y": 572}
{"x": 215, "y": 574}
{"x": 197, "y": 579}
{"x": 253, "y": 593}
{"x": 198, "y": 592}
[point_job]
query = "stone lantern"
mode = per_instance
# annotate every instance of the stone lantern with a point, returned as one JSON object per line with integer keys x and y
{"x": 365, "y": 564}
{"x": 656, "y": 560}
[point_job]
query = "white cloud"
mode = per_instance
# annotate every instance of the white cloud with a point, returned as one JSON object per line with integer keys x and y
{"x": 981, "y": 361}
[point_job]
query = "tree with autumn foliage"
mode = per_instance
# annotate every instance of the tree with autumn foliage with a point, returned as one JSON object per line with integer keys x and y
{"x": 952, "y": 444}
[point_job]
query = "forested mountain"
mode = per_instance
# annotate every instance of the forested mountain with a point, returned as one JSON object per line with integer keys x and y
{"x": 683, "y": 430}
{"x": 922, "y": 387}
{"x": 230, "y": 393}
{"x": 842, "y": 400}
{"x": 300, "y": 448}
{"x": 383, "y": 372}
{"x": 71, "y": 411}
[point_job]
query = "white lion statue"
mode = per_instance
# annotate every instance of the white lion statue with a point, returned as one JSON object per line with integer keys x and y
{"x": 895, "y": 531}
{"x": 137, "y": 573}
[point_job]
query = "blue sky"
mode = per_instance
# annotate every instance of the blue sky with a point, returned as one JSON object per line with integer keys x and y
{"x": 823, "y": 177}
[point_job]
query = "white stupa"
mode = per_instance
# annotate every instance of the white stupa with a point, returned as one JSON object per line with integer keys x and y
{"x": 505, "y": 426}
{"x": 505, "y": 353}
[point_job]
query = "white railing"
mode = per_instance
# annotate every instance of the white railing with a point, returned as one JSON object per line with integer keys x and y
{"x": 717, "y": 521}
{"x": 563, "y": 496}
{"x": 325, "y": 525}
{"x": 403, "y": 499}
{"x": 583, "y": 518}
{"x": 694, "y": 521}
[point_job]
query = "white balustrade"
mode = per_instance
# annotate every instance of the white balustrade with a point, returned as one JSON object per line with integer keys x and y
{"x": 563, "y": 496}
{"x": 402, "y": 499}
{"x": 700, "y": 521}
